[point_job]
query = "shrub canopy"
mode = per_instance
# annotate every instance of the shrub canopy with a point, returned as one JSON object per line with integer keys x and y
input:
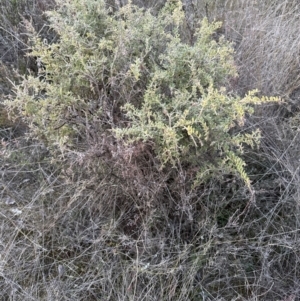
{"x": 135, "y": 76}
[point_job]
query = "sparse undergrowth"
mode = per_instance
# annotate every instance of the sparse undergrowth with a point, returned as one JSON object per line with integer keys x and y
{"x": 85, "y": 216}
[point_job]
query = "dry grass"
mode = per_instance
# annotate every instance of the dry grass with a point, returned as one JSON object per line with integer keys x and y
{"x": 76, "y": 227}
{"x": 266, "y": 55}
{"x": 77, "y": 236}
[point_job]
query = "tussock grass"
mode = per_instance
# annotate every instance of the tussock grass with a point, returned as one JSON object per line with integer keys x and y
{"x": 266, "y": 55}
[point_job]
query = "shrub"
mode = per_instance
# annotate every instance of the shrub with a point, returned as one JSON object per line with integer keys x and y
{"x": 133, "y": 76}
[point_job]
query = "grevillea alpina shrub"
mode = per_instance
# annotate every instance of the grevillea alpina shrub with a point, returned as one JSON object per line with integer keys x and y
{"x": 132, "y": 76}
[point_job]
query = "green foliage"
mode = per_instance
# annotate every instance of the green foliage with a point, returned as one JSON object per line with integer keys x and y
{"x": 132, "y": 75}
